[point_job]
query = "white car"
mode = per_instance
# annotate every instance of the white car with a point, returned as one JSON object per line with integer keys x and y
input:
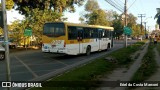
{"x": 2, "y": 53}
{"x": 129, "y": 38}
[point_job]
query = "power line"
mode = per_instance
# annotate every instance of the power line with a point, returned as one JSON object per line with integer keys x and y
{"x": 118, "y": 3}
{"x": 115, "y": 5}
{"x": 121, "y": 2}
{"x": 132, "y": 4}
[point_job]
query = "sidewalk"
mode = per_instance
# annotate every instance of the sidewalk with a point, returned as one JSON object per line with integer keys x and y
{"x": 154, "y": 77}
{"x": 124, "y": 74}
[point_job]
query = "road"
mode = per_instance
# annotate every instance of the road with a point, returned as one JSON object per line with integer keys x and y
{"x": 37, "y": 66}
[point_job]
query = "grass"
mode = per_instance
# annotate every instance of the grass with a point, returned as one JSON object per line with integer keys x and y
{"x": 148, "y": 66}
{"x": 92, "y": 70}
{"x": 137, "y": 55}
{"x": 84, "y": 73}
{"x": 158, "y": 47}
{"x": 123, "y": 56}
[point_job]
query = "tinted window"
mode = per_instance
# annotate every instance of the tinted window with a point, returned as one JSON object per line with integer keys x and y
{"x": 72, "y": 32}
{"x": 100, "y": 33}
{"x": 54, "y": 29}
{"x": 87, "y": 33}
{"x": 94, "y": 33}
{"x": 106, "y": 33}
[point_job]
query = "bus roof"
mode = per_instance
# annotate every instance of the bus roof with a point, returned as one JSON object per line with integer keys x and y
{"x": 86, "y": 25}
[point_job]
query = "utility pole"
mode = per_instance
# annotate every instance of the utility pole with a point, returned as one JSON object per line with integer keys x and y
{"x": 145, "y": 30}
{"x": 125, "y": 12}
{"x": 7, "y": 59}
{"x": 141, "y": 16}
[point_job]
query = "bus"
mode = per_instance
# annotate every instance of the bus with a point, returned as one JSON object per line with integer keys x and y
{"x": 74, "y": 39}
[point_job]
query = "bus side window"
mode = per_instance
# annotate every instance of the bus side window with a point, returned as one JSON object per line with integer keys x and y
{"x": 87, "y": 33}
{"x": 103, "y": 33}
{"x": 99, "y": 33}
{"x": 106, "y": 33}
{"x": 72, "y": 33}
{"x": 80, "y": 34}
{"x": 110, "y": 34}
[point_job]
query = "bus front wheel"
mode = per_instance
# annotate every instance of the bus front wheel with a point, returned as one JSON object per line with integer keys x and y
{"x": 88, "y": 50}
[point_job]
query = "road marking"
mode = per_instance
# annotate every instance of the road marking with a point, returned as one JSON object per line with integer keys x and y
{"x": 60, "y": 62}
{"x": 29, "y": 69}
{"x": 57, "y": 61}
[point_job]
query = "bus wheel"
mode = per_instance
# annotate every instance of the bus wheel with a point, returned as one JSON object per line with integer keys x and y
{"x": 88, "y": 50}
{"x": 2, "y": 56}
{"x": 108, "y": 46}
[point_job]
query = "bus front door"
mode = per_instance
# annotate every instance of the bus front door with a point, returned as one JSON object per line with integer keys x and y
{"x": 80, "y": 40}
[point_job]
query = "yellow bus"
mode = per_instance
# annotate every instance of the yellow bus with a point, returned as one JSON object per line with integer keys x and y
{"x": 74, "y": 39}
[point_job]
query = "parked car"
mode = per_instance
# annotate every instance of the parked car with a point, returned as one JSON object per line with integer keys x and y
{"x": 129, "y": 38}
{"x": 12, "y": 45}
{"x": 11, "y": 42}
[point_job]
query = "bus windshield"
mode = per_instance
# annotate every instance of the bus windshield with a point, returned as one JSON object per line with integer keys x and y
{"x": 54, "y": 29}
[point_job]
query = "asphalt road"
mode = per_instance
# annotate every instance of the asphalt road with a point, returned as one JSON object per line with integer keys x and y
{"x": 37, "y": 66}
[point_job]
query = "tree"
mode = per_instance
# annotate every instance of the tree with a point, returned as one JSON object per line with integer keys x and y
{"x": 118, "y": 27}
{"x": 131, "y": 20}
{"x": 94, "y": 15}
{"x": 98, "y": 17}
{"x": 111, "y": 16}
{"x": 56, "y": 5}
{"x": 37, "y": 19}
{"x": 16, "y": 31}
{"x": 9, "y": 4}
{"x": 136, "y": 30}
{"x": 158, "y": 17}
{"x": 91, "y": 5}
{"x": 81, "y": 19}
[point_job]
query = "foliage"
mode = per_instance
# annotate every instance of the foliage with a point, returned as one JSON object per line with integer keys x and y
{"x": 158, "y": 17}
{"x": 112, "y": 15}
{"x": 81, "y": 74}
{"x": 9, "y": 4}
{"x": 158, "y": 47}
{"x": 38, "y": 12}
{"x": 131, "y": 20}
{"x": 91, "y": 5}
{"x": 98, "y": 17}
{"x": 94, "y": 15}
{"x": 147, "y": 68}
{"x": 1, "y": 31}
{"x": 158, "y": 21}
{"x": 16, "y": 30}
{"x": 38, "y": 18}
{"x": 123, "y": 55}
{"x": 87, "y": 72}
{"x": 118, "y": 28}
{"x": 35, "y": 21}
{"x": 57, "y": 6}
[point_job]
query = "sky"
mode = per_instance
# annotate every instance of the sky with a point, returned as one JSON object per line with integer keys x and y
{"x": 147, "y": 7}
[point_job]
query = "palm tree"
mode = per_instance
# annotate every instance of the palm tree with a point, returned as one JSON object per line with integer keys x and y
{"x": 158, "y": 17}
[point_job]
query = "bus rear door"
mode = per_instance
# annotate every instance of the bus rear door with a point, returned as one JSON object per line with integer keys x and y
{"x": 80, "y": 39}
{"x": 100, "y": 38}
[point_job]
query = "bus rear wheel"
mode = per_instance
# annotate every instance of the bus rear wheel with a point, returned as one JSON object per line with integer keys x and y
{"x": 88, "y": 50}
{"x": 2, "y": 56}
{"x": 108, "y": 47}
